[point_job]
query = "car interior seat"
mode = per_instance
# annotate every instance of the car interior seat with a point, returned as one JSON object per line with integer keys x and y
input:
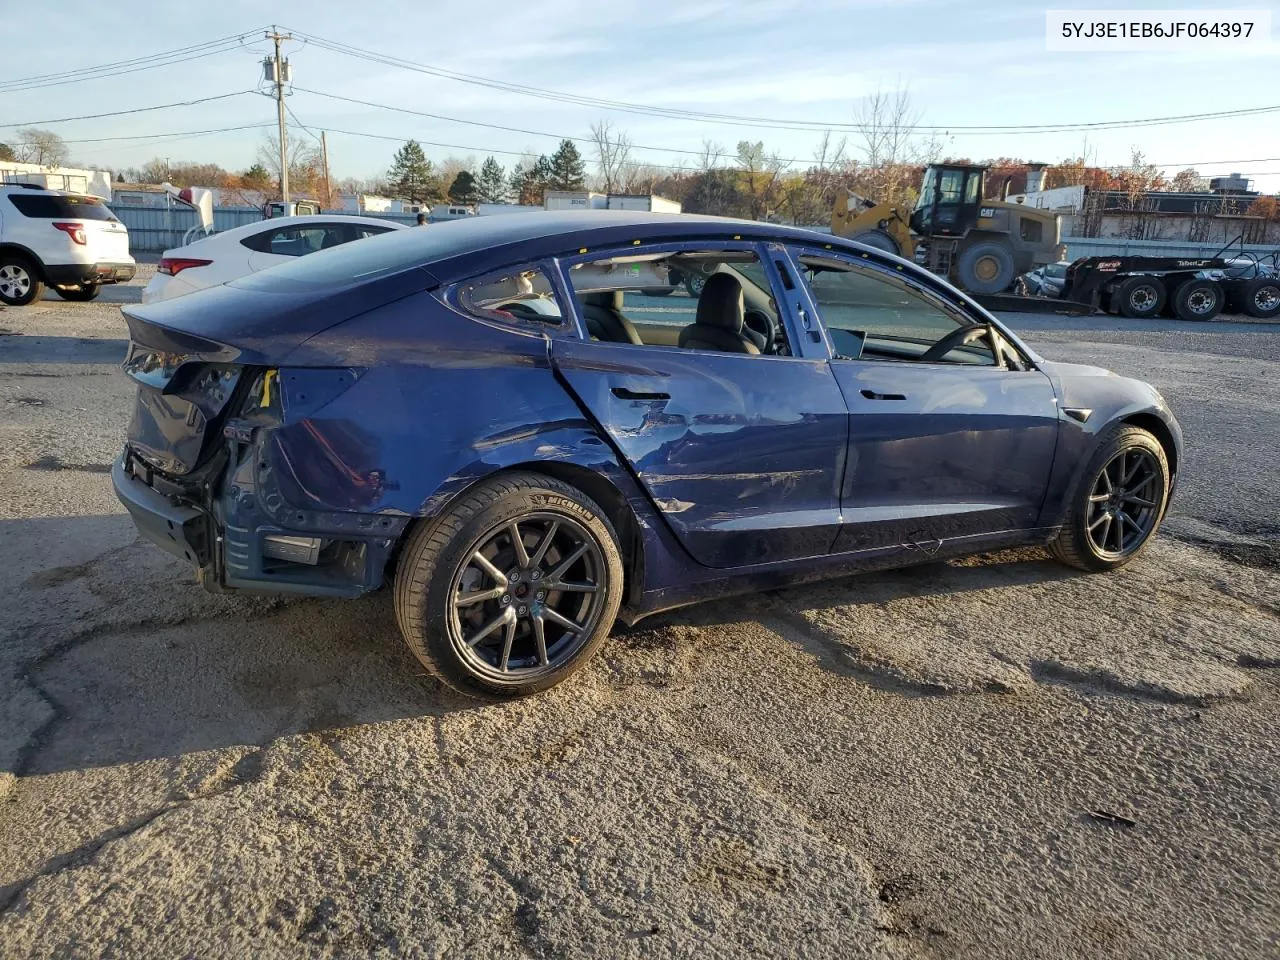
{"x": 718, "y": 323}
{"x": 605, "y": 321}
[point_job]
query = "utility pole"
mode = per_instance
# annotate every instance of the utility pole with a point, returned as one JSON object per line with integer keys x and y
{"x": 324, "y": 160}
{"x": 277, "y": 71}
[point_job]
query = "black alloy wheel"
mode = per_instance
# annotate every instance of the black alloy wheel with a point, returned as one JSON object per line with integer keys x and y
{"x": 1125, "y": 504}
{"x": 527, "y": 598}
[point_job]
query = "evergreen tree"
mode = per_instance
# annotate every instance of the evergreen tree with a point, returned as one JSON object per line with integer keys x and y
{"x": 6, "y": 152}
{"x": 491, "y": 185}
{"x": 532, "y": 181}
{"x": 567, "y": 171}
{"x": 411, "y": 174}
{"x": 515, "y": 182}
{"x": 463, "y": 188}
{"x": 257, "y": 177}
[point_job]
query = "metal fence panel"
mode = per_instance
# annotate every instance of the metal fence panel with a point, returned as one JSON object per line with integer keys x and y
{"x": 1117, "y": 247}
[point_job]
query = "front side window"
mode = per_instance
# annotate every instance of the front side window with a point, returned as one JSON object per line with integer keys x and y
{"x": 514, "y": 295}
{"x": 711, "y": 299}
{"x": 870, "y": 315}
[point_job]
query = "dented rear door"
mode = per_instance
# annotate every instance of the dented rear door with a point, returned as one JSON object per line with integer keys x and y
{"x": 743, "y": 455}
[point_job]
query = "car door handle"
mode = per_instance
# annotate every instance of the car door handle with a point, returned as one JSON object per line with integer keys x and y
{"x": 622, "y": 393}
{"x": 872, "y": 395}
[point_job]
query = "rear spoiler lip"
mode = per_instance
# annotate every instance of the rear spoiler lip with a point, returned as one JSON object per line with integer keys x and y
{"x": 227, "y": 324}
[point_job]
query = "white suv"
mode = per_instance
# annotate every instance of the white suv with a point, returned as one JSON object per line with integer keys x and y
{"x": 71, "y": 242}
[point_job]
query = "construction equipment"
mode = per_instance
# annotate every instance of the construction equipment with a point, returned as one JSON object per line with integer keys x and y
{"x": 978, "y": 244}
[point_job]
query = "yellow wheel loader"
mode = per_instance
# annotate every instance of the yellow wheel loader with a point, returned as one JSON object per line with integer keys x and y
{"x": 979, "y": 245}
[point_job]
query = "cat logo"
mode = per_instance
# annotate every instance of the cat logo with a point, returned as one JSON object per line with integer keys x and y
{"x": 987, "y": 213}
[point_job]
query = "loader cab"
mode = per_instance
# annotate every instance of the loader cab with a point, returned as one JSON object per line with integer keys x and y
{"x": 950, "y": 198}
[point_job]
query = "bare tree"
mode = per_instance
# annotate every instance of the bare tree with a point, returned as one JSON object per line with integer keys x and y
{"x": 43, "y": 147}
{"x": 892, "y": 149}
{"x": 759, "y": 175}
{"x": 613, "y": 156}
{"x": 306, "y": 167}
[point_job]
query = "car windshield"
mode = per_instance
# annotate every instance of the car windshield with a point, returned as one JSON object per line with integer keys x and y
{"x": 1056, "y": 270}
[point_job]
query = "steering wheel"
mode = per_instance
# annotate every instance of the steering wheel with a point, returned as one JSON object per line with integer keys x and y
{"x": 763, "y": 324}
{"x": 956, "y": 338}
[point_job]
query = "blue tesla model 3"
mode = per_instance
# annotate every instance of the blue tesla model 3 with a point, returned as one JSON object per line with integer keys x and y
{"x": 528, "y": 428}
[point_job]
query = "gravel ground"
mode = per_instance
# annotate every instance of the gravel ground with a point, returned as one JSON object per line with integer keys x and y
{"x": 989, "y": 758}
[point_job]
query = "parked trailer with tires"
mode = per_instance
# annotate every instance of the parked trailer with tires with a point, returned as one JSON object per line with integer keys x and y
{"x": 1145, "y": 287}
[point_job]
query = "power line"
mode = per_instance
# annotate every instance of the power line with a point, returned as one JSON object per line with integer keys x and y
{"x": 756, "y": 121}
{"x": 121, "y": 67}
{"x": 176, "y": 133}
{"x": 121, "y": 113}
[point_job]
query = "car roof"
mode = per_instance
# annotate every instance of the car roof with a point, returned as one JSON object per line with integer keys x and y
{"x": 452, "y": 247}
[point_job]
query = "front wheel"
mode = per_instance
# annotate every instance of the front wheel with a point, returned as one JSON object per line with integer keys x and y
{"x": 1118, "y": 504}
{"x": 512, "y": 590}
{"x": 81, "y": 294}
{"x": 1262, "y": 298}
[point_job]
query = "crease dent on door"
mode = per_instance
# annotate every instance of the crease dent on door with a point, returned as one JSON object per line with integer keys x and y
{"x": 742, "y": 454}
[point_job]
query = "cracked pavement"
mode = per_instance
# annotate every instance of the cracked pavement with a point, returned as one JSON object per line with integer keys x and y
{"x": 994, "y": 757}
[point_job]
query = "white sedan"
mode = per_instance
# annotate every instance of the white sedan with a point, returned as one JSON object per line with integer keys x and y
{"x": 244, "y": 250}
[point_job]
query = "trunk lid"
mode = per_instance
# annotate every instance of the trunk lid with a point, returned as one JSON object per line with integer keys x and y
{"x": 108, "y": 241}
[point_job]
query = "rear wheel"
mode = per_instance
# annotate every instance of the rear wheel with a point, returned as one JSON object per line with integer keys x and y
{"x": 81, "y": 294}
{"x": 1118, "y": 504}
{"x": 1198, "y": 299}
{"x": 1261, "y": 297}
{"x": 19, "y": 282}
{"x": 1139, "y": 297}
{"x": 985, "y": 267}
{"x": 512, "y": 590}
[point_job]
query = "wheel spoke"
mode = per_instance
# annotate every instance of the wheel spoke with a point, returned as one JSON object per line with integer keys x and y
{"x": 1097, "y": 523}
{"x": 1125, "y": 518}
{"x": 507, "y": 615}
{"x": 556, "y": 617}
{"x": 479, "y": 596}
{"x": 1099, "y": 498}
{"x": 1102, "y": 540}
{"x": 570, "y": 586}
{"x": 540, "y": 639}
{"x": 517, "y": 543}
{"x": 1105, "y": 479}
{"x": 1138, "y": 464}
{"x": 507, "y": 641}
{"x": 1118, "y": 527}
{"x": 485, "y": 564}
{"x": 544, "y": 545}
{"x": 567, "y": 562}
{"x": 1138, "y": 501}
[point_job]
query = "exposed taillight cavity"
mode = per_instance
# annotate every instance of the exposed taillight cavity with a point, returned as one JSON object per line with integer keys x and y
{"x": 175, "y": 265}
{"x": 73, "y": 230}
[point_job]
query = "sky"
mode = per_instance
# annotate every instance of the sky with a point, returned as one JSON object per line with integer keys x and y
{"x": 978, "y": 63}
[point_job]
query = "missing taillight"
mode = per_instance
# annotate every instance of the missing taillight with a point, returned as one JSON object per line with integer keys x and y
{"x": 175, "y": 265}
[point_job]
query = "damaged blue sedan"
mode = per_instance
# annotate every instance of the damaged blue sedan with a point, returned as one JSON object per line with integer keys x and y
{"x": 528, "y": 428}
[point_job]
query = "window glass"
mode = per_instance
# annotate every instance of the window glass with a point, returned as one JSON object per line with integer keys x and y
{"x": 522, "y": 293}
{"x": 870, "y": 315}
{"x": 651, "y": 299}
{"x": 298, "y": 241}
{"x": 364, "y": 233}
{"x": 971, "y": 187}
{"x": 952, "y": 185}
{"x": 44, "y": 206}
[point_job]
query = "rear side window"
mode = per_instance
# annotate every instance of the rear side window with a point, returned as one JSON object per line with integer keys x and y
{"x": 43, "y": 206}
{"x": 298, "y": 241}
{"x": 516, "y": 294}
